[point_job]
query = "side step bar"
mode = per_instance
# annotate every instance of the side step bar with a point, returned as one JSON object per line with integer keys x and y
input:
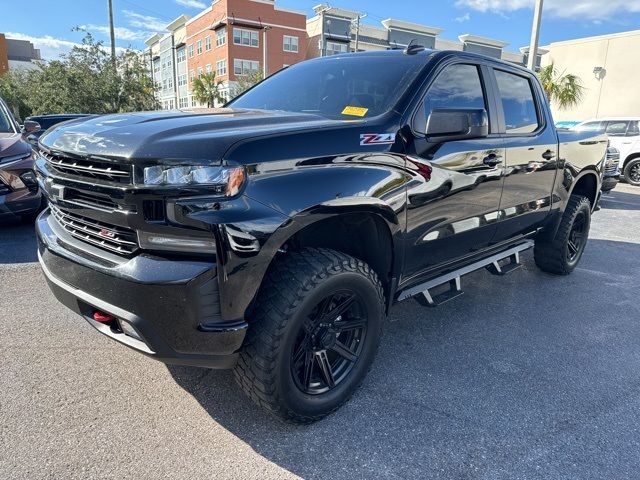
{"x": 495, "y": 264}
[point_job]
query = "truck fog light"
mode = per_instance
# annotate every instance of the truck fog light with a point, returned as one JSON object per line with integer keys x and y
{"x": 128, "y": 330}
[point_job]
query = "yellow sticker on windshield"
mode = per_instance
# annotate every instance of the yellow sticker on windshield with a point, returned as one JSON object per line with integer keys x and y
{"x": 355, "y": 111}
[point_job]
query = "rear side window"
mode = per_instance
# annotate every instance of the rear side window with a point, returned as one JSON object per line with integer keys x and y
{"x": 457, "y": 86}
{"x": 617, "y": 128}
{"x": 633, "y": 129}
{"x": 520, "y": 113}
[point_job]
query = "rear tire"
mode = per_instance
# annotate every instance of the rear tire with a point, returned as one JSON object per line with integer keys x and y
{"x": 632, "y": 172}
{"x": 313, "y": 334}
{"x": 561, "y": 254}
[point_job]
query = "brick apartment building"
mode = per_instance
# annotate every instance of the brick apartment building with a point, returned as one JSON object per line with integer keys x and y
{"x": 238, "y": 37}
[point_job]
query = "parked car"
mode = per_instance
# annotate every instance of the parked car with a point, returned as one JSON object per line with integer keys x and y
{"x": 48, "y": 121}
{"x": 19, "y": 193}
{"x": 611, "y": 174}
{"x": 624, "y": 134}
{"x": 273, "y": 236}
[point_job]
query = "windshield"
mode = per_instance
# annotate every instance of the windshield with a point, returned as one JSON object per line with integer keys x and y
{"x": 347, "y": 87}
{"x": 6, "y": 125}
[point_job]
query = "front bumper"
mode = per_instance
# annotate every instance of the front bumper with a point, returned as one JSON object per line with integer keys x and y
{"x": 173, "y": 304}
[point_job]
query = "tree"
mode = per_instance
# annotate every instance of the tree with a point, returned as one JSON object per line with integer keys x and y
{"x": 206, "y": 89}
{"x": 85, "y": 81}
{"x": 13, "y": 91}
{"x": 565, "y": 90}
{"x": 245, "y": 82}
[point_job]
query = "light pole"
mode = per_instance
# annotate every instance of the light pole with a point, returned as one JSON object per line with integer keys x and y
{"x": 264, "y": 50}
{"x": 112, "y": 33}
{"x": 535, "y": 33}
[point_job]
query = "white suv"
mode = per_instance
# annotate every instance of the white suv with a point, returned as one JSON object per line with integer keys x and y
{"x": 624, "y": 134}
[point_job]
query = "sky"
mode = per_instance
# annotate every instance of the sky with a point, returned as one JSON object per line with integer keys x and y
{"x": 50, "y": 24}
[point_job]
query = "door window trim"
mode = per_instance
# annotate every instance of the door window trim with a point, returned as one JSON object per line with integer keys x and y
{"x": 540, "y": 111}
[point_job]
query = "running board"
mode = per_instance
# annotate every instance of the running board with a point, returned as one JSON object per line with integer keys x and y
{"x": 493, "y": 264}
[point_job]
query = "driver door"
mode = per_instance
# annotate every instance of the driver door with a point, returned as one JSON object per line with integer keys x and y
{"x": 453, "y": 211}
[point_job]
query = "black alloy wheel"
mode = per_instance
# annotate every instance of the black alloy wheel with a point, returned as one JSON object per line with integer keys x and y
{"x": 329, "y": 343}
{"x": 577, "y": 238}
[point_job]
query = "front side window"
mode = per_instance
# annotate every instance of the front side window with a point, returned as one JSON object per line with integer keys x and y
{"x": 290, "y": 44}
{"x": 347, "y": 88}
{"x": 592, "y": 127}
{"x": 6, "y": 124}
{"x": 518, "y": 103}
{"x": 245, "y": 37}
{"x": 634, "y": 129}
{"x": 457, "y": 86}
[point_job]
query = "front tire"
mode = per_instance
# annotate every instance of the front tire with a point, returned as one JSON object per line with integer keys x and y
{"x": 561, "y": 254}
{"x": 632, "y": 172}
{"x": 313, "y": 334}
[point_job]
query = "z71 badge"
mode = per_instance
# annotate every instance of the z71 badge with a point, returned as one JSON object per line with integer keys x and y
{"x": 377, "y": 138}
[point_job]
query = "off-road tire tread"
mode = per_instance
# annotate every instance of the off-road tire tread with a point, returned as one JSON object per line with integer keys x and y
{"x": 549, "y": 255}
{"x": 287, "y": 283}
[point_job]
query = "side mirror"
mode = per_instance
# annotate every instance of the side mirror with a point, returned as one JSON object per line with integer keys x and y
{"x": 30, "y": 127}
{"x": 446, "y": 124}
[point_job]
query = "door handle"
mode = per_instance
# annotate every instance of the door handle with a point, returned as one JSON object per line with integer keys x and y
{"x": 492, "y": 160}
{"x": 549, "y": 155}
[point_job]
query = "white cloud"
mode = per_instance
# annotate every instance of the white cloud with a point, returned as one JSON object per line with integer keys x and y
{"x": 50, "y": 48}
{"x": 463, "y": 18}
{"x": 121, "y": 33}
{"x": 192, "y": 3}
{"x": 576, "y": 9}
{"x": 145, "y": 21}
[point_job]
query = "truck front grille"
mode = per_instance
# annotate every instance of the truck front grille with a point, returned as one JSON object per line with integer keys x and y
{"x": 120, "y": 240}
{"x": 89, "y": 168}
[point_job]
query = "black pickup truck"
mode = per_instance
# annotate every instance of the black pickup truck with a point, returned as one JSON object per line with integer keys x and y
{"x": 273, "y": 235}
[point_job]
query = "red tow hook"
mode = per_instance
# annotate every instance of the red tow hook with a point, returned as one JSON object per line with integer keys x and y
{"x": 102, "y": 317}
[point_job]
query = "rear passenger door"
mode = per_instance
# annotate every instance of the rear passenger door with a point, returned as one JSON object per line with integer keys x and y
{"x": 530, "y": 142}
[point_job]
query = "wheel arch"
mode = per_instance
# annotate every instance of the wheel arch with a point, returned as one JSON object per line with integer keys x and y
{"x": 587, "y": 185}
{"x": 630, "y": 157}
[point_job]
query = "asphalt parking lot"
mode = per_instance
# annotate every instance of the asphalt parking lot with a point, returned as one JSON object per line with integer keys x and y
{"x": 526, "y": 376}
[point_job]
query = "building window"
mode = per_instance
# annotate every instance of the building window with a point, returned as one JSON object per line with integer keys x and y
{"x": 207, "y": 43}
{"x": 335, "y": 48}
{"x": 190, "y": 49}
{"x": 156, "y": 66}
{"x": 183, "y": 102}
{"x": 208, "y": 68}
{"x": 221, "y": 67}
{"x": 290, "y": 44}
{"x": 199, "y": 72}
{"x": 199, "y": 47}
{"x": 193, "y": 101}
{"x": 181, "y": 55}
{"x": 221, "y": 36}
{"x": 182, "y": 79}
{"x": 245, "y": 67}
{"x": 245, "y": 37}
{"x": 170, "y": 83}
{"x": 171, "y": 104}
{"x": 192, "y": 75}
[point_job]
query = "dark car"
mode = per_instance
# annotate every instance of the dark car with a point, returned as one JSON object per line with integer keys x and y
{"x": 48, "y": 121}
{"x": 274, "y": 235}
{"x": 19, "y": 193}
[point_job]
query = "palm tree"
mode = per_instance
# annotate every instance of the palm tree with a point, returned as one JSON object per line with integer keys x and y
{"x": 206, "y": 89}
{"x": 565, "y": 90}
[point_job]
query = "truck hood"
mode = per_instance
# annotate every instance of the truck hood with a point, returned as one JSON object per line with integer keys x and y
{"x": 182, "y": 135}
{"x": 11, "y": 144}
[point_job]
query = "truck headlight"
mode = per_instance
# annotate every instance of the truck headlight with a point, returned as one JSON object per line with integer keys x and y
{"x": 223, "y": 180}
